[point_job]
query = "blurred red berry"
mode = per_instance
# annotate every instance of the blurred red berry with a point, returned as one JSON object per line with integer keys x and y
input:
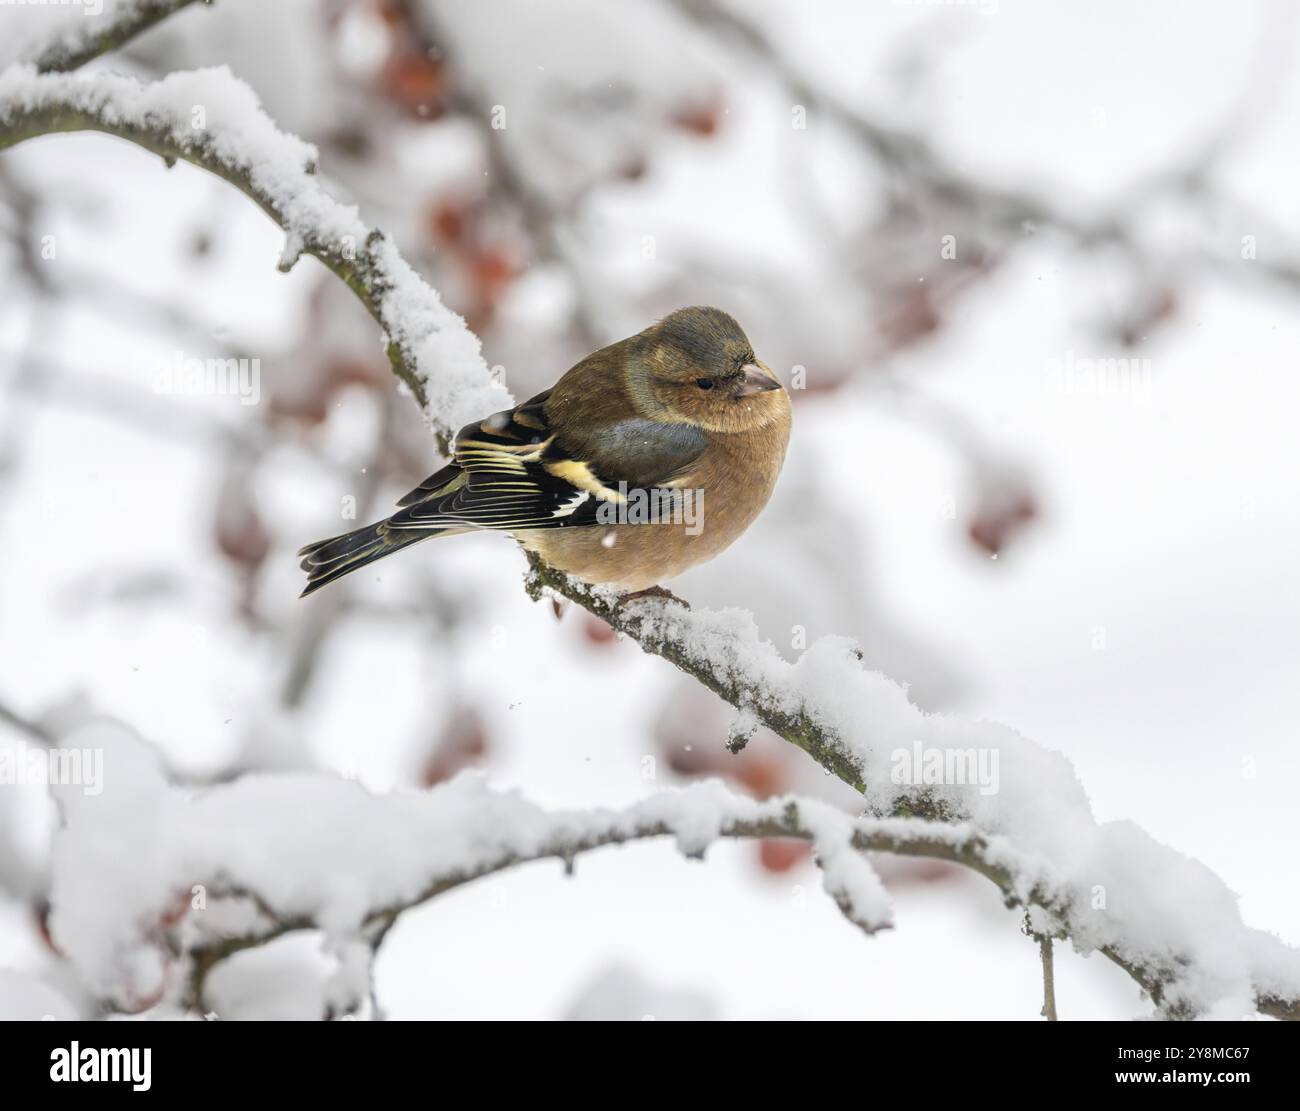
{"x": 781, "y": 856}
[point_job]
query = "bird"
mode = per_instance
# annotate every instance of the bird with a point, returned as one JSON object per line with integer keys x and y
{"x": 645, "y": 458}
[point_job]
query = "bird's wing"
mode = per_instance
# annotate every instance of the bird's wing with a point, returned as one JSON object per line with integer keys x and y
{"x": 512, "y": 471}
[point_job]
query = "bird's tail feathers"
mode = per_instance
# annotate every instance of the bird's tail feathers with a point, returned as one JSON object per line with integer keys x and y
{"x": 331, "y": 559}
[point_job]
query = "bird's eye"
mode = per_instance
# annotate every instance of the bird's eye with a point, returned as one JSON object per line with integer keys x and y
{"x": 704, "y": 383}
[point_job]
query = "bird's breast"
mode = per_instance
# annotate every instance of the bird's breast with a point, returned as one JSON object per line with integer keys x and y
{"x": 648, "y": 540}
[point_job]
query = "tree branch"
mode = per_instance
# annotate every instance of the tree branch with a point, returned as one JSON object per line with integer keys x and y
{"x": 1049, "y": 978}
{"x": 697, "y": 816}
{"x": 88, "y": 38}
{"x": 649, "y": 622}
{"x": 211, "y": 120}
{"x": 982, "y": 204}
{"x": 31, "y": 728}
{"x": 726, "y": 656}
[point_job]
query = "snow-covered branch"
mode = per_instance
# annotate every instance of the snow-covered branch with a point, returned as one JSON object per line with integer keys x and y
{"x": 1108, "y": 887}
{"x": 89, "y": 37}
{"x": 149, "y": 873}
{"x": 212, "y": 120}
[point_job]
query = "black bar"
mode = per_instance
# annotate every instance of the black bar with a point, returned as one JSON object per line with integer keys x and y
{"x": 342, "y": 1058}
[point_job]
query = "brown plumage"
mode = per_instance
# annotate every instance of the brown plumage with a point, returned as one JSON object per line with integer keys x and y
{"x": 646, "y": 458}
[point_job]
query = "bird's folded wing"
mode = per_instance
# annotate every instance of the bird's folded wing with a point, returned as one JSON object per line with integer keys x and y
{"x": 513, "y": 471}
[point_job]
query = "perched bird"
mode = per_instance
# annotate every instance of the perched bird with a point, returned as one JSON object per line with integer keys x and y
{"x": 647, "y": 457}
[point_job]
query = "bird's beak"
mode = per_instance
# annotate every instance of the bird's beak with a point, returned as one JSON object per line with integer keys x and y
{"x": 756, "y": 378}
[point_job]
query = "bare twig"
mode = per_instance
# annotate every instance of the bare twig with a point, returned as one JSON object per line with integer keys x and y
{"x": 932, "y": 180}
{"x": 1049, "y": 979}
{"x": 32, "y": 729}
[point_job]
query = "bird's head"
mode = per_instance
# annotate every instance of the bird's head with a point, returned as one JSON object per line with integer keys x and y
{"x": 696, "y": 366}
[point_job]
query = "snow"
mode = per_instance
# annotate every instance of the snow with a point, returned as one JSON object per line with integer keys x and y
{"x": 212, "y": 114}
{"x": 209, "y": 108}
{"x": 55, "y": 27}
{"x": 147, "y": 857}
{"x": 317, "y": 849}
{"x": 1118, "y": 887}
{"x": 446, "y": 354}
{"x": 285, "y": 980}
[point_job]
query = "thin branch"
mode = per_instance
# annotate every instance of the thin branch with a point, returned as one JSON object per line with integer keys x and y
{"x": 831, "y": 832}
{"x": 89, "y": 37}
{"x": 1049, "y": 979}
{"x": 110, "y": 399}
{"x": 31, "y": 728}
{"x": 1016, "y": 214}
{"x": 549, "y": 225}
{"x": 644, "y": 621}
{"x": 428, "y": 345}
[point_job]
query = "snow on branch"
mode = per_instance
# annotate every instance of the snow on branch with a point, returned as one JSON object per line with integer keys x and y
{"x": 147, "y": 872}
{"x": 1110, "y": 887}
{"x": 91, "y": 35}
{"x": 213, "y": 120}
